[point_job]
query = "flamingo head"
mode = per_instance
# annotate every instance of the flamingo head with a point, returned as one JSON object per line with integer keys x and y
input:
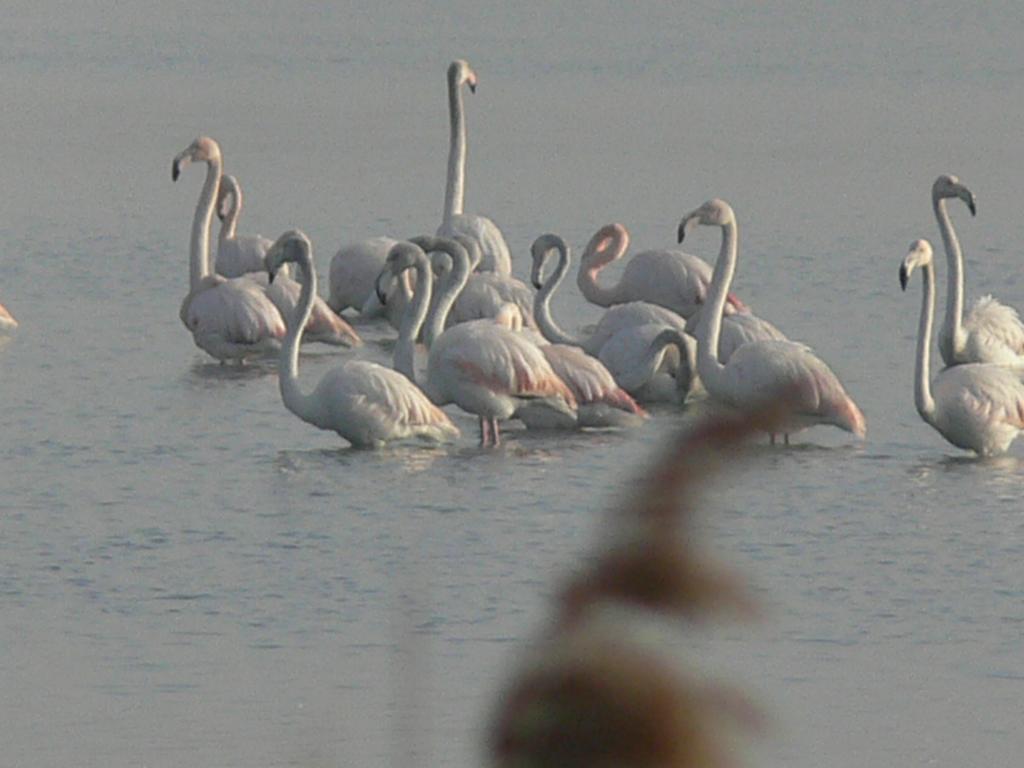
{"x": 460, "y": 72}
{"x": 227, "y": 195}
{"x": 455, "y": 250}
{"x": 714, "y": 213}
{"x": 291, "y": 247}
{"x": 920, "y": 255}
{"x": 948, "y": 185}
{"x": 539, "y": 251}
{"x": 202, "y": 150}
{"x": 402, "y": 256}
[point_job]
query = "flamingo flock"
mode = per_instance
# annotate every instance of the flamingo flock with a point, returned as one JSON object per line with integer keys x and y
{"x": 671, "y": 331}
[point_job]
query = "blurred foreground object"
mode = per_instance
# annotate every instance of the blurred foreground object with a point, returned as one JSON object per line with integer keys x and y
{"x": 590, "y": 693}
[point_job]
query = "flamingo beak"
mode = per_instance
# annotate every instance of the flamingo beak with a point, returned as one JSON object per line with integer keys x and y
{"x": 904, "y": 276}
{"x": 178, "y": 164}
{"x": 971, "y": 206}
{"x": 685, "y": 226}
{"x": 381, "y": 293}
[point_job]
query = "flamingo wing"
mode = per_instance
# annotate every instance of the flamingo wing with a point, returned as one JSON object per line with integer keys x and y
{"x": 240, "y": 255}
{"x": 353, "y": 273}
{"x": 631, "y": 314}
{"x": 995, "y": 333}
{"x": 323, "y": 325}
{"x": 234, "y": 312}
{"x": 588, "y": 378}
{"x": 495, "y": 256}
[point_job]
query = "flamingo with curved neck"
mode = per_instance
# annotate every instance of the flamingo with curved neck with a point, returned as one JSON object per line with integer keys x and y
{"x": 976, "y": 406}
{"x": 495, "y": 253}
{"x": 483, "y": 367}
{"x": 237, "y": 255}
{"x": 366, "y": 403}
{"x": 669, "y": 278}
{"x": 231, "y": 319}
{"x": 762, "y": 370}
{"x": 992, "y": 332}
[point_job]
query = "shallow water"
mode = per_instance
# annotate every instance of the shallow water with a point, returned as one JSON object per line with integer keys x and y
{"x": 190, "y": 575}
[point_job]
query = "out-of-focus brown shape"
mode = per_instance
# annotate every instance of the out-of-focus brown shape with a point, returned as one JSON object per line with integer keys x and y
{"x": 589, "y": 695}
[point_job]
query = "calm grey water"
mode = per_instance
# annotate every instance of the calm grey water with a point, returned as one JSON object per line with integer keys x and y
{"x": 191, "y": 576}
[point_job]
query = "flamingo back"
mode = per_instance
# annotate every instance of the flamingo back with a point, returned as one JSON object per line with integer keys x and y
{"x": 995, "y": 333}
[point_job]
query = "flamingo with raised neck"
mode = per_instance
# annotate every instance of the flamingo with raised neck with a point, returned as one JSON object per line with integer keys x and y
{"x": 762, "y": 370}
{"x": 495, "y": 256}
{"x": 976, "y": 406}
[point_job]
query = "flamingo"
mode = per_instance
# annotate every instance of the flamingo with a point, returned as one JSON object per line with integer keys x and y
{"x": 485, "y": 293}
{"x": 600, "y": 401}
{"x": 976, "y": 406}
{"x": 992, "y": 332}
{"x": 641, "y": 357}
{"x": 237, "y": 255}
{"x": 737, "y": 328}
{"x": 763, "y": 369}
{"x": 495, "y": 253}
{"x": 244, "y": 256}
{"x": 485, "y": 368}
{"x": 230, "y": 319}
{"x": 668, "y": 278}
{"x": 366, "y": 403}
{"x": 353, "y": 272}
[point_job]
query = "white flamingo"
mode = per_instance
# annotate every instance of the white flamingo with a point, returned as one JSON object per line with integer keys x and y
{"x": 244, "y": 256}
{"x": 992, "y": 332}
{"x": 495, "y": 253}
{"x": 366, "y": 403}
{"x": 763, "y": 369}
{"x": 653, "y": 362}
{"x": 237, "y": 255}
{"x": 353, "y": 273}
{"x": 485, "y": 368}
{"x": 601, "y": 402}
{"x": 231, "y": 319}
{"x": 485, "y": 293}
{"x": 668, "y": 278}
{"x": 977, "y": 406}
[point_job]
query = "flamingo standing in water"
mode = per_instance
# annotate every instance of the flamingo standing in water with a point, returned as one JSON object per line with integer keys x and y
{"x": 483, "y": 367}
{"x": 668, "y": 278}
{"x": 231, "y": 319}
{"x": 243, "y": 255}
{"x": 495, "y": 253}
{"x": 992, "y": 332}
{"x": 977, "y": 406}
{"x": 763, "y": 369}
{"x": 366, "y": 403}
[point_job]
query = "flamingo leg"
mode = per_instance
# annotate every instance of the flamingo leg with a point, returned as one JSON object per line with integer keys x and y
{"x": 495, "y": 432}
{"x": 771, "y": 438}
{"x": 485, "y": 428}
{"x": 786, "y": 437}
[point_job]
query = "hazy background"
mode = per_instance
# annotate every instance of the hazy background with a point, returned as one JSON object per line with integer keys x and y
{"x": 190, "y": 575}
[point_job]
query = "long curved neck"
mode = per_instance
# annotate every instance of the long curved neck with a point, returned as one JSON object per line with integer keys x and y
{"x": 451, "y": 287}
{"x": 299, "y": 403}
{"x": 951, "y": 337}
{"x": 922, "y": 388}
{"x": 594, "y": 259}
{"x": 708, "y": 330}
{"x": 230, "y": 226}
{"x": 199, "y": 244}
{"x": 454, "y": 192}
{"x": 412, "y": 320}
{"x": 542, "y": 304}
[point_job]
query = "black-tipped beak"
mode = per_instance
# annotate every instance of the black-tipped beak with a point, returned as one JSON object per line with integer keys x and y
{"x": 537, "y": 284}
{"x": 175, "y": 170}
{"x": 972, "y": 207}
{"x": 904, "y": 277}
{"x": 381, "y": 294}
{"x": 271, "y": 274}
{"x": 681, "y": 232}
{"x": 472, "y": 87}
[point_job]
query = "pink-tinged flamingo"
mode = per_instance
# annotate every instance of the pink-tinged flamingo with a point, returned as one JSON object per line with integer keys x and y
{"x": 494, "y": 249}
{"x": 763, "y": 369}
{"x": 366, "y": 403}
{"x": 485, "y": 368}
{"x": 231, "y": 319}
{"x": 243, "y": 256}
{"x": 992, "y": 332}
{"x": 668, "y": 278}
{"x": 977, "y": 406}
